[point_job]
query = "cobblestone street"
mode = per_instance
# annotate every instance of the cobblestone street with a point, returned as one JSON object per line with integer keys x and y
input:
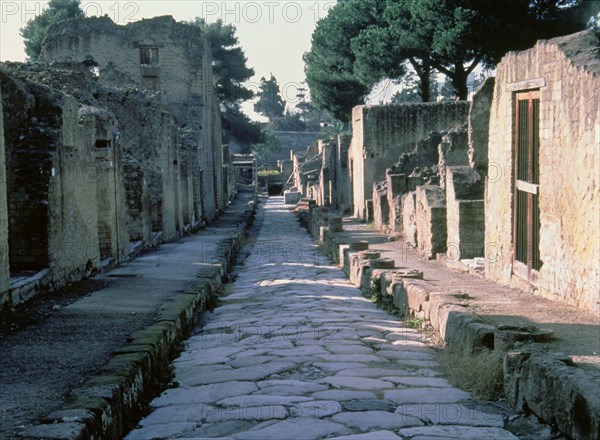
{"x": 296, "y": 352}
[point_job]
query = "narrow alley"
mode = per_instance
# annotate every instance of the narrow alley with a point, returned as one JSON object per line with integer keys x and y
{"x": 296, "y": 352}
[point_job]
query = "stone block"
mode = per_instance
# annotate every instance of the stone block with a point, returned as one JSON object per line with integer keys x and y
{"x": 291, "y": 197}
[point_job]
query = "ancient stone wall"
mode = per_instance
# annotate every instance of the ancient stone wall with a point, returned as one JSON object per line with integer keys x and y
{"x": 464, "y": 213}
{"x": 107, "y": 159}
{"x": 431, "y": 220}
{"x": 382, "y": 133}
{"x": 343, "y": 188}
{"x": 566, "y": 72}
{"x": 4, "y": 264}
{"x": 51, "y": 183}
{"x": 479, "y": 125}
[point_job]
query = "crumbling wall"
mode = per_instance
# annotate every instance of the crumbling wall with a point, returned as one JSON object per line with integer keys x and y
{"x": 381, "y": 208}
{"x": 452, "y": 151}
{"x": 465, "y": 215}
{"x": 53, "y": 217}
{"x": 479, "y": 126}
{"x": 431, "y": 220}
{"x": 381, "y": 134}
{"x": 107, "y": 159}
{"x": 343, "y": 188}
{"x": 138, "y": 200}
{"x": 566, "y": 71}
{"x": 4, "y": 265}
{"x": 119, "y": 53}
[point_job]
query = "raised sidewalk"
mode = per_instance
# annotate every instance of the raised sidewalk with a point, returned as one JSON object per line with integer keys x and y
{"x": 116, "y": 343}
{"x": 558, "y": 379}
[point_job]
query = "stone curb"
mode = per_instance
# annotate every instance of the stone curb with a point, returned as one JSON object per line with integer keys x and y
{"x": 107, "y": 403}
{"x": 549, "y": 385}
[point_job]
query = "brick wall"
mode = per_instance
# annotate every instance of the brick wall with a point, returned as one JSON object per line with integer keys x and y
{"x": 380, "y": 134}
{"x": 566, "y": 71}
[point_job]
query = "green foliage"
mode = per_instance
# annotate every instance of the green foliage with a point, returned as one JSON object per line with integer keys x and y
{"x": 35, "y": 30}
{"x": 270, "y": 104}
{"x": 229, "y": 62}
{"x": 329, "y": 65}
{"x": 362, "y": 42}
{"x": 231, "y": 73}
{"x": 268, "y": 146}
{"x": 238, "y": 126}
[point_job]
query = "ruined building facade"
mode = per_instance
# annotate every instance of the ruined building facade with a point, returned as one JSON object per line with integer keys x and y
{"x": 112, "y": 144}
{"x": 542, "y": 205}
{"x": 506, "y": 185}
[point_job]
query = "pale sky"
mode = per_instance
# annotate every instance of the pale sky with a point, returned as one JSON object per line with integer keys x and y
{"x": 273, "y": 34}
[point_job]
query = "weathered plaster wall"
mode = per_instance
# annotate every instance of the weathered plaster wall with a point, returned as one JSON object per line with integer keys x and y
{"x": 51, "y": 183}
{"x": 4, "y": 265}
{"x": 566, "y": 71}
{"x": 107, "y": 160}
{"x": 382, "y": 133}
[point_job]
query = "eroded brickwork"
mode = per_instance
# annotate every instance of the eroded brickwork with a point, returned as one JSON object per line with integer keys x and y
{"x": 566, "y": 71}
{"x": 381, "y": 134}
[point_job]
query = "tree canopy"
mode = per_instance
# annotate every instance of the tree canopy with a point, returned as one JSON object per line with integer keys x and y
{"x": 270, "y": 104}
{"x": 35, "y": 30}
{"x": 362, "y": 42}
{"x": 231, "y": 72}
{"x": 329, "y": 65}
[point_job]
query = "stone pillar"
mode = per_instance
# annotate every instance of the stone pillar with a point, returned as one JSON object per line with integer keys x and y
{"x": 431, "y": 220}
{"x": 4, "y": 266}
{"x": 465, "y": 216}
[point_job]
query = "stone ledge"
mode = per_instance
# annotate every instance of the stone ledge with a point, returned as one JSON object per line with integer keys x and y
{"x": 549, "y": 385}
{"x": 107, "y": 403}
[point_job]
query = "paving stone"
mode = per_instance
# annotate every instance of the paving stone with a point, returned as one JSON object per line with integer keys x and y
{"x": 178, "y": 413}
{"x": 341, "y": 395}
{"x": 161, "y": 431}
{"x": 251, "y": 360}
{"x": 413, "y": 381}
{"x": 293, "y": 390}
{"x": 357, "y": 383}
{"x": 339, "y": 366}
{"x": 315, "y": 409}
{"x": 261, "y": 400}
{"x": 458, "y": 432}
{"x": 379, "y": 435}
{"x": 247, "y": 413}
{"x": 368, "y": 405}
{"x": 296, "y": 429}
{"x": 426, "y": 395}
{"x": 255, "y": 372}
{"x": 224, "y": 429}
{"x": 370, "y": 420}
{"x": 203, "y": 394}
{"x": 370, "y": 372}
{"x": 451, "y": 414}
{"x": 296, "y": 352}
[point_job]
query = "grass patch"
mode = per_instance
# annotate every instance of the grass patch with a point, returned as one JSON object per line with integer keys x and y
{"x": 479, "y": 373}
{"x": 415, "y": 322}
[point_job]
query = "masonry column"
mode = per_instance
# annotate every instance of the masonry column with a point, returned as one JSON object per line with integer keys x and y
{"x": 4, "y": 268}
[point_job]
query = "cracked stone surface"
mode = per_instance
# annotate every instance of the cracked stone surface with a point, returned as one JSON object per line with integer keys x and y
{"x": 296, "y": 352}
